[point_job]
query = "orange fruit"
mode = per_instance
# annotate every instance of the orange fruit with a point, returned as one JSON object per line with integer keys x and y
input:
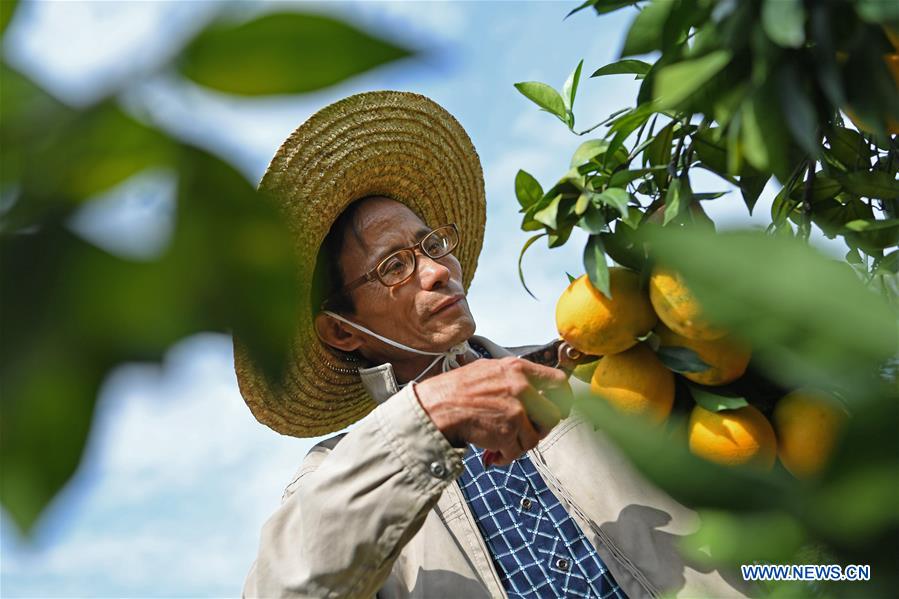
{"x": 807, "y": 428}
{"x": 727, "y": 358}
{"x": 677, "y": 306}
{"x": 597, "y": 325}
{"x": 635, "y": 382}
{"x": 732, "y": 437}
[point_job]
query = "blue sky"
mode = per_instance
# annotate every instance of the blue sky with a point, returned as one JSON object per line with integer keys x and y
{"x": 178, "y": 477}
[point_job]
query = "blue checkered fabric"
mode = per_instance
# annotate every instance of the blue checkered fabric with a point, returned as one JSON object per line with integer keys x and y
{"x": 537, "y": 548}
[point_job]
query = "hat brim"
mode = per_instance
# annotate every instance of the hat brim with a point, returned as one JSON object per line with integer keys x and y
{"x": 396, "y": 144}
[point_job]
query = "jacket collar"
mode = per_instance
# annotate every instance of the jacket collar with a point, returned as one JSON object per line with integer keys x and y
{"x": 380, "y": 381}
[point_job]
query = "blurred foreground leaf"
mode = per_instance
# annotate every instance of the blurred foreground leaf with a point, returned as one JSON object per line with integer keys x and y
{"x": 284, "y": 53}
{"x": 666, "y": 461}
{"x": 71, "y": 311}
{"x": 809, "y": 319}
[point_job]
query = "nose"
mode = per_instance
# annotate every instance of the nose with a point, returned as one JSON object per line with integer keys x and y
{"x": 431, "y": 273}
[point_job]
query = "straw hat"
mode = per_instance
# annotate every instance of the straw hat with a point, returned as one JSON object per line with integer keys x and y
{"x": 396, "y": 144}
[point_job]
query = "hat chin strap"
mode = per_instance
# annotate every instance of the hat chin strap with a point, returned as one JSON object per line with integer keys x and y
{"x": 450, "y": 357}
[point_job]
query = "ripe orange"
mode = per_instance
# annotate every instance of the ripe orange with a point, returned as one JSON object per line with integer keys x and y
{"x": 636, "y": 382}
{"x": 807, "y": 428}
{"x": 732, "y": 437}
{"x": 726, "y": 357}
{"x": 597, "y": 325}
{"x": 677, "y": 306}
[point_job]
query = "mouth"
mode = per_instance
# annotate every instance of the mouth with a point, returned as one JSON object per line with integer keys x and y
{"x": 447, "y": 304}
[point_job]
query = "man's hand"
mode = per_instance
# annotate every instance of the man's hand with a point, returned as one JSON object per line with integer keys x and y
{"x": 501, "y": 405}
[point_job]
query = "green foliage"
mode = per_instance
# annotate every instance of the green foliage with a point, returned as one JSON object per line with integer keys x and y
{"x": 283, "y": 53}
{"x": 71, "y": 311}
{"x": 752, "y": 91}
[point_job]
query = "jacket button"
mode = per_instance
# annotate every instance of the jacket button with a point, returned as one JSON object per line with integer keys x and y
{"x": 562, "y": 564}
{"x": 438, "y": 470}
{"x": 526, "y": 503}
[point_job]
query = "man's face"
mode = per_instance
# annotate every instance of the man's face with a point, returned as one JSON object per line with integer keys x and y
{"x": 428, "y": 311}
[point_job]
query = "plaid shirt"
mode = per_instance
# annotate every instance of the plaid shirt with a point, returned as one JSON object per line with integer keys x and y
{"x": 538, "y": 550}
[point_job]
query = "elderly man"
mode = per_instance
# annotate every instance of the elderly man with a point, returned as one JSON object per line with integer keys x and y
{"x": 385, "y": 196}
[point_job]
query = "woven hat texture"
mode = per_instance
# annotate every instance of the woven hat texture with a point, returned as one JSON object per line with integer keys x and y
{"x": 396, "y": 144}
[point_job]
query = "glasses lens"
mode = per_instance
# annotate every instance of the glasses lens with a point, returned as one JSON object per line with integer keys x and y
{"x": 440, "y": 242}
{"x": 396, "y": 267}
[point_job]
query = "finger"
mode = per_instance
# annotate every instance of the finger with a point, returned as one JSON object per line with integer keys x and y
{"x": 543, "y": 377}
{"x": 528, "y": 435}
{"x": 541, "y": 411}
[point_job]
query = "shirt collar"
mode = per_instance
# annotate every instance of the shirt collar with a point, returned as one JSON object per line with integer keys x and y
{"x": 380, "y": 381}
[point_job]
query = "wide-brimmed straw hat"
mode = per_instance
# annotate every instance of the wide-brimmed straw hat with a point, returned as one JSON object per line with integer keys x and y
{"x": 388, "y": 143}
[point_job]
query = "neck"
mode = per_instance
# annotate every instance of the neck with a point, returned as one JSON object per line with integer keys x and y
{"x": 408, "y": 368}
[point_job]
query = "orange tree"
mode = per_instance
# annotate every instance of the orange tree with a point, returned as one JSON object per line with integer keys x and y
{"x": 805, "y": 94}
{"x": 69, "y": 310}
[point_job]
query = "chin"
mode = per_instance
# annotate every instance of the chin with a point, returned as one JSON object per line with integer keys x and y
{"x": 460, "y": 330}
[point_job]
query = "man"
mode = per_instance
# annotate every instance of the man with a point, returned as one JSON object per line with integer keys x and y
{"x": 385, "y": 196}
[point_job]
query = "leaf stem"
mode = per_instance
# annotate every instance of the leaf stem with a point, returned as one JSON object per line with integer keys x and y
{"x": 807, "y": 199}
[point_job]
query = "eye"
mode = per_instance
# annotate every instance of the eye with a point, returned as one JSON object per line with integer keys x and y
{"x": 393, "y": 266}
{"x": 435, "y": 245}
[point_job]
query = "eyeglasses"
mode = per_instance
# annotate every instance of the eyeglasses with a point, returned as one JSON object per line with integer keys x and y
{"x": 400, "y": 265}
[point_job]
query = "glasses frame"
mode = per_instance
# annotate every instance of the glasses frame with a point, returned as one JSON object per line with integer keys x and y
{"x": 373, "y": 273}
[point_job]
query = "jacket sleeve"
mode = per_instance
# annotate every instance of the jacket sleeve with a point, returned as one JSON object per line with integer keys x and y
{"x": 354, "y": 508}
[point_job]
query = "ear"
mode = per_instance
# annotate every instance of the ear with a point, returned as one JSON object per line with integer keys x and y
{"x": 336, "y": 334}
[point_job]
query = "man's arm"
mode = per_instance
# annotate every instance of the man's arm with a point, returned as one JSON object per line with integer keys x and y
{"x": 339, "y": 533}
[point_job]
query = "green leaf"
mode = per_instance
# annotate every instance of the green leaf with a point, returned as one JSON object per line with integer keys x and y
{"x": 645, "y": 33}
{"x": 606, "y": 6}
{"x": 524, "y": 248}
{"x": 624, "y": 247}
{"x": 666, "y": 461}
{"x": 763, "y": 133}
{"x": 677, "y": 200}
{"x": 593, "y": 221}
{"x": 751, "y": 187}
{"x": 615, "y": 197}
{"x": 283, "y": 53}
{"x": 889, "y": 263}
{"x": 624, "y": 126}
{"x": 571, "y": 279}
{"x": 871, "y": 184}
{"x": 658, "y": 153}
{"x": 784, "y": 22}
{"x": 569, "y": 90}
{"x": 543, "y": 96}
{"x": 681, "y": 359}
{"x": 582, "y": 203}
{"x": 580, "y": 7}
{"x": 725, "y": 537}
{"x": 527, "y": 189}
{"x": 823, "y": 188}
{"x": 878, "y": 11}
{"x": 715, "y": 402}
{"x": 7, "y": 9}
{"x": 679, "y": 81}
{"x": 622, "y": 178}
{"x": 872, "y": 225}
{"x": 798, "y": 110}
{"x": 549, "y": 215}
{"x": 849, "y": 147}
{"x": 587, "y": 151}
{"x": 623, "y": 67}
{"x": 792, "y": 312}
{"x": 595, "y": 265}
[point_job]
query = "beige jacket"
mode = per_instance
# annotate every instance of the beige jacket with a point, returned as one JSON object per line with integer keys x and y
{"x": 377, "y": 511}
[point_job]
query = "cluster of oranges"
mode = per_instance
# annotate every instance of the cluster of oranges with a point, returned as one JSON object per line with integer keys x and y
{"x": 632, "y": 378}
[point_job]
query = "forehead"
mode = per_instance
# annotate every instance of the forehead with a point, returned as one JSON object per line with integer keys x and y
{"x": 382, "y": 223}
